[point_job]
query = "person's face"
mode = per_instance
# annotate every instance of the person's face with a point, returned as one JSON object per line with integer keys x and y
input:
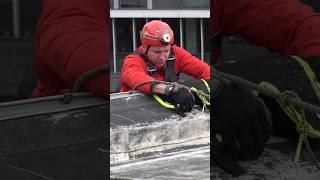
{"x": 158, "y": 55}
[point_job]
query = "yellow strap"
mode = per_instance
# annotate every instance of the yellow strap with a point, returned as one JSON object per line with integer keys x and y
{"x": 200, "y": 94}
{"x": 206, "y": 84}
{"x": 205, "y": 103}
{"x": 165, "y": 104}
{"x": 310, "y": 74}
{"x": 219, "y": 137}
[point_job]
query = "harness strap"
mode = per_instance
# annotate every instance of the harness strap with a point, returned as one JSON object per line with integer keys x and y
{"x": 170, "y": 72}
{"x": 150, "y": 67}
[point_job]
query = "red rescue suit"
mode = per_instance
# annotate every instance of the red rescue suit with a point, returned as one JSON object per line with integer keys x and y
{"x": 71, "y": 38}
{"x": 284, "y": 26}
{"x": 134, "y": 69}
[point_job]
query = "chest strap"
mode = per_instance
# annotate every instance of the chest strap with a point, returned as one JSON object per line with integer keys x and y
{"x": 170, "y": 72}
{"x": 150, "y": 67}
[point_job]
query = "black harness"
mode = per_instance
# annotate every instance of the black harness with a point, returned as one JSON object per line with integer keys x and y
{"x": 170, "y": 74}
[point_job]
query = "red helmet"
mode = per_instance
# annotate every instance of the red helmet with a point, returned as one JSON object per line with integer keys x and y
{"x": 156, "y": 33}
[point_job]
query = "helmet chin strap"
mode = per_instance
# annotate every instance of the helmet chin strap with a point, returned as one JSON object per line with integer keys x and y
{"x": 147, "y": 49}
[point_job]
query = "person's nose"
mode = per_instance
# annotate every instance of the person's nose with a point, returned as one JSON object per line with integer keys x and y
{"x": 163, "y": 56}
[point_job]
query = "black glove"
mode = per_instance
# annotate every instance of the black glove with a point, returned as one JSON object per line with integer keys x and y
{"x": 314, "y": 62}
{"x": 240, "y": 128}
{"x": 180, "y": 97}
{"x": 199, "y": 85}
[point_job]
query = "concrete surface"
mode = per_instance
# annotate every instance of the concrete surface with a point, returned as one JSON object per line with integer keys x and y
{"x": 148, "y": 141}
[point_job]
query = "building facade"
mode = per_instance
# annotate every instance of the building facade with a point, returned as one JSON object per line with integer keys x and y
{"x": 18, "y": 19}
{"x": 189, "y": 19}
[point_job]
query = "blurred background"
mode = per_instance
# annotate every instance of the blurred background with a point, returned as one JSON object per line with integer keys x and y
{"x": 17, "y": 25}
{"x": 189, "y": 20}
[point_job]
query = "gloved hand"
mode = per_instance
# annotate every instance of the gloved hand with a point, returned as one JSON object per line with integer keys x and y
{"x": 199, "y": 85}
{"x": 240, "y": 128}
{"x": 314, "y": 62}
{"x": 180, "y": 97}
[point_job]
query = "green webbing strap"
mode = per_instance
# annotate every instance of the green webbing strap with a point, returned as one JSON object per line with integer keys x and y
{"x": 165, "y": 104}
{"x": 310, "y": 74}
{"x": 203, "y": 96}
{"x": 206, "y": 84}
{"x": 199, "y": 93}
{"x": 303, "y": 127}
{"x": 204, "y": 99}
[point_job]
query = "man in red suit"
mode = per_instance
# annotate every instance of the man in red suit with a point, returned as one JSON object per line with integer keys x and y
{"x": 71, "y": 39}
{"x": 159, "y": 59}
{"x": 283, "y": 26}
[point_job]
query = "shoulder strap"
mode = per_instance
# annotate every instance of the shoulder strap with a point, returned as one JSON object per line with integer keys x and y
{"x": 150, "y": 67}
{"x": 170, "y": 72}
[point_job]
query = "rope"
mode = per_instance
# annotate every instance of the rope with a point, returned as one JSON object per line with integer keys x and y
{"x": 164, "y": 82}
{"x": 310, "y": 74}
{"x": 67, "y": 95}
{"x": 202, "y": 96}
{"x": 302, "y": 126}
{"x": 240, "y": 82}
{"x": 89, "y": 75}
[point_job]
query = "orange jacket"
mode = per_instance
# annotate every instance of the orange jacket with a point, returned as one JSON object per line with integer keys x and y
{"x": 134, "y": 69}
{"x": 71, "y": 38}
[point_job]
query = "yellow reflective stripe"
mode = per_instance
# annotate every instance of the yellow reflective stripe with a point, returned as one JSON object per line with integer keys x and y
{"x": 165, "y": 104}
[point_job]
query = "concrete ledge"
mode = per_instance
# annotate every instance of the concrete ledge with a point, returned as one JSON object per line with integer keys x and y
{"x": 138, "y": 140}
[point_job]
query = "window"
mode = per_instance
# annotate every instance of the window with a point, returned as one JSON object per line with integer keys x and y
{"x": 140, "y": 22}
{"x": 29, "y": 14}
{"x": 191, "y": 36}
{"x": 6, "y": 23}
{"x": 205, "y": 4}
{"x": 111, "y": 4}
{"x": 166, "y": 4}
{"x": 124, "y": 45}
{"x": 133, "y": 4}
